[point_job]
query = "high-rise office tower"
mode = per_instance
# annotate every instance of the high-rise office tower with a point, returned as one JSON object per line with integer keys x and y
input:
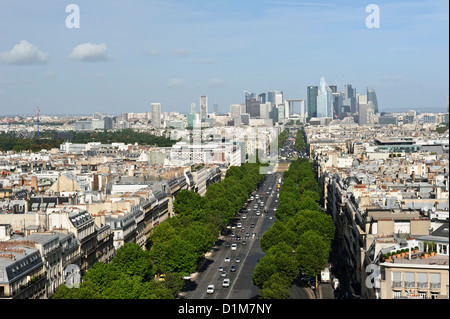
{"x": 264, "y": 110}
{"x": 262, "y": 98}
{"x": 350, "y": 97}
{"x": 372, "y": 97}
{"x": 203, "y": 107}
{"x": 311, "y": 101}
{"x": 235, "y": 114}
{"x": 252, "y": 106}
{"x": 275, "y": 97}
{"x": 324, "y": 100}
{"x": 338, "y": 102}
{"x": 193, "y": 108}
{"x": 333, "y": 88}
{"x": 156, "y": 115}
{"x": 362, "y": 114}
{"x": 281, "y": 112}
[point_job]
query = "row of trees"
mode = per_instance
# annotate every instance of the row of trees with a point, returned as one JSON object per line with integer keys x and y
{"x": 300, "y": 144}
{"x": 128, "y": 276}
{"x": 53, "y": 139}
{"x": 180, "y": 242}
{"x": 299, "y": 241}
{"x": 175, "y": 246}
{"x": 282, "y": 138}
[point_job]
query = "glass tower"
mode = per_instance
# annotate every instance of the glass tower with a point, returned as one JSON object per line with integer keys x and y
{"x": 372, "y": 97}
{"x": 311, "y": 93}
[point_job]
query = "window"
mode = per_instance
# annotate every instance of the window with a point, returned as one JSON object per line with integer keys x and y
{"x": 409, "y": 279}
{"x": 435, "y": 281}
{"x": 396, "y": 294}
{"x": 396, "y": 279}
{"x": 422, "y": 280}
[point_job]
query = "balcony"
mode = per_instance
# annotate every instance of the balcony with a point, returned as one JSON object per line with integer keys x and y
{"x": 422, "y": 285}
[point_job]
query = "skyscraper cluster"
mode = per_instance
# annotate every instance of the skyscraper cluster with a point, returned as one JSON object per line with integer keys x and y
{"x": 324, "y": 101}
{"x": 268, "y": 108}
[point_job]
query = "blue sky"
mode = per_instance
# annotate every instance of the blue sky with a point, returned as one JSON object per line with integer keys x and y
{"x": 128, "y": 54}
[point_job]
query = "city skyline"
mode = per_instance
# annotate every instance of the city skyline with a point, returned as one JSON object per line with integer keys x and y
{"x": 122, "y": 58}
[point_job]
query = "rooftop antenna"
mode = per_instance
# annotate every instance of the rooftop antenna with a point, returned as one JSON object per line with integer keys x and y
{"x": 37, "y": 110}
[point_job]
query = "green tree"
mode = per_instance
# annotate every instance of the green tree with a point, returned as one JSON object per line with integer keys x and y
{"x": 312, "y": 253}
{"x": 130, "y": 259}
{"x": 276, "y": 287}
{"x": 179, "y": 256}
{"x": 276, "y": 234}
{"x": 190, "y": 203}
{"x": 278, "y": 259}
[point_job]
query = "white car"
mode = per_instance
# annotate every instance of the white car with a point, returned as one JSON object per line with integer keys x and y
{"x": 210, "y": 289}
{"x": 226, "y": 282}
{"x": 227, "y": 259}
{"x": 233, "y": 247}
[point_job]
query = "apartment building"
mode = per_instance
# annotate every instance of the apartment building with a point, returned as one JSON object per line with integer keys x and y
{"x": 378, "y": 200}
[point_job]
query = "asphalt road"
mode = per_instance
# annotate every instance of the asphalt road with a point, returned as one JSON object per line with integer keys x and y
{"x": 247, "y": 249}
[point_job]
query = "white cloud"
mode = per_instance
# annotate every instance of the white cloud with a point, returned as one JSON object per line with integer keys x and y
{"x": 151, "y": 52}
{"x": 180, "y": 52}
{"x": 175, "y": 83}
{"x": 24, "y": 53}
{"x": 206, "y": 61}
{"x": 90, "y": 52}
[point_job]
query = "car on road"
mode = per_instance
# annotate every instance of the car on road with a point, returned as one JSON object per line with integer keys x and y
{"x": 258, "y": 213}
{"x": 244, "y": 242}
{"x": 223, "y": 273}
{"x": 242, "y": 230}
{"x": 210, "y": 289}
{"x": 252, "y": 226}
{"x": 227, "y": 259}
{"x": 233, "y": 247}
{"x": 226, "y": 282}
{"x": 221, "y": 269}
{"x": 238, "y": 259}
{"x": 233, "y": 268}
{"x": 227, "y": 244}
{"x": 244, "y": 217}
{"x": 238, "y": 237}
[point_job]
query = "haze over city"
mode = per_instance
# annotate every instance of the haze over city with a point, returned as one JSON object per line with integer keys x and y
{"x": 125, "y": 56}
